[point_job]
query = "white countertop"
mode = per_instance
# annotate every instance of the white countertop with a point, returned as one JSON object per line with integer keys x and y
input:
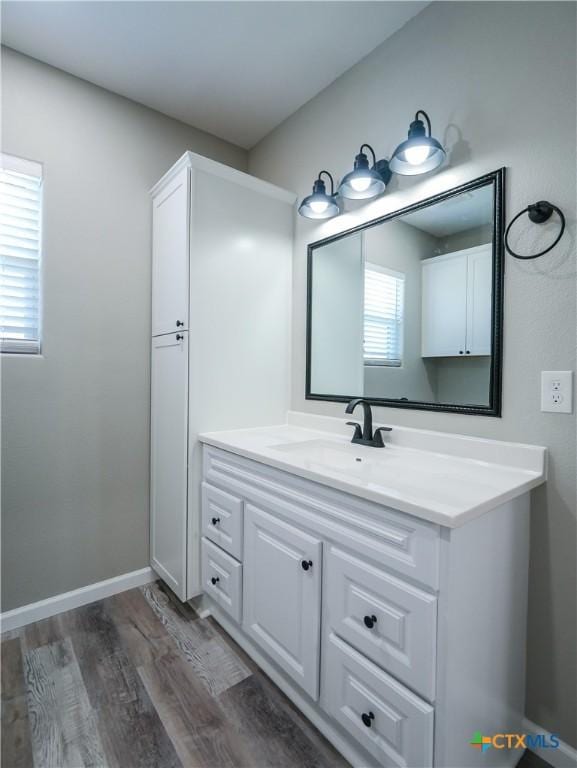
{"x": 443, "y": 478}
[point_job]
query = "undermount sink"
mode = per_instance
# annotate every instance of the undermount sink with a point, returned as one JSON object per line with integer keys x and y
{"x": 333, "y": 454}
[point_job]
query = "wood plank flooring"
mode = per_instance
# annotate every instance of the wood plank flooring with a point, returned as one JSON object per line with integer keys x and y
{"x": 140, "y": 681}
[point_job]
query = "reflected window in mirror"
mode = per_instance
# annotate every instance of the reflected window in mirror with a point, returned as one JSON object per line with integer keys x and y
{"x": 383, "y": 315}
{"x": 406, "y": 310}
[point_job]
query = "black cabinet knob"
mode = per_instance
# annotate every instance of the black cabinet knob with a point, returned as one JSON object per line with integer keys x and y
{"x": 215, "y": 520}
{"x": 468, "y": 352}
{"x": 215, "y": 579}
{"x": 179, "y": 337}
{"x": 367, "y": 718}
{"x": 460, "y": 351}
{"x": 370, "y": 621}
{"x": 179, "y": 323}
{"x": 306, "y": 564}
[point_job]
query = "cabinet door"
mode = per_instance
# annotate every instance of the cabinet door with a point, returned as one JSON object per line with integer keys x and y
{"x": 444, "y": 306}
{"x": 168, "y": 459}
{"x": 282, "y": 595}
{"x": 170, "y": 239}
{"x": 479, "y": 300}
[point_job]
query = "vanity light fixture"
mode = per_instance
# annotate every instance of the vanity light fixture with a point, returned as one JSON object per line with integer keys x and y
{"x": 420, "y": 152}
{"x": 364, "y": 182}
{"x": 320, "y": 205}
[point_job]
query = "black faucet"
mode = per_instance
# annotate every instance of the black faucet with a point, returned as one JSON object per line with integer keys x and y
{"x": 366, "y": 435}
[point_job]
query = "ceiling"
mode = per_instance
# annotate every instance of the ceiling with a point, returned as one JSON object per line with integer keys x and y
{"x": 234, "y": 69}
{"x": 455, "y": 214}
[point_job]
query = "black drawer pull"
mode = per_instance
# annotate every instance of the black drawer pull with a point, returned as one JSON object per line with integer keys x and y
{"x": 215, "y": 520}
{"x": 306, "y": 564}
{"x": 179, "y": 337}
{"x": 214, "y": 580}
{"x": 179, "y": 323}
{"x": 370, "y": 621}
{"x": 367, "y": 718}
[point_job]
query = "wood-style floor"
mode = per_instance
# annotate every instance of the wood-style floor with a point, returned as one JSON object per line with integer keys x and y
{"x": 140, "y": 681}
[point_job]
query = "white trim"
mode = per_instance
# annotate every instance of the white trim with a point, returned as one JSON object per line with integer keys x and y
{"x": 21, "y": 165}
{"x": 562, "y": 757}
{"x": 374, "y": 267}
{"x": 192, "y": 160}
{"x": 66, "y": 601}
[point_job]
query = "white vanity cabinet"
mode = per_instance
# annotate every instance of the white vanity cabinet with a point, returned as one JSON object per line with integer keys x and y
{"x": 397, "y": 637}
{"x": 456, "y": 303}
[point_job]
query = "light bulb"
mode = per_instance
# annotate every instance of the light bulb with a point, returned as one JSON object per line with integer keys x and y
{"x": 417, "y": 155}
{"x": 319, "y": 206}
{"x": 360, "y": 183}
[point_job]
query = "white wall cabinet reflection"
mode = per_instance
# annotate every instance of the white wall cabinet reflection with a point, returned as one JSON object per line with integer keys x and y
{"x": 456, "y": 303}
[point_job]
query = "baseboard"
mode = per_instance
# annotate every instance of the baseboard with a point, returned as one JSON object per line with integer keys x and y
{"x": 43, "y": 609}
{"x": 562, "y": 757}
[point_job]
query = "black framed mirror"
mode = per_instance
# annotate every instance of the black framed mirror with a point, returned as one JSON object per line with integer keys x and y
{"x": 407, "y": 310}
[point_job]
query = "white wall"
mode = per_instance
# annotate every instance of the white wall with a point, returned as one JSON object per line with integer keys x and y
{"x": 75, "y": 422}
{"x": 337, "y": 318}
{"x": 499, "y": 82}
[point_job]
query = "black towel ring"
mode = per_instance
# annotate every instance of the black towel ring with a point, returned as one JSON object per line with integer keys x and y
{"x": 539, "y": 213}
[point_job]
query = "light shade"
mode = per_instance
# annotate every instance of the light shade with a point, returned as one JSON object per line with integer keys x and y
{"x": 362, "y": 182}
{"x": 420, "y": 153}
{"x": 320, "y": 205}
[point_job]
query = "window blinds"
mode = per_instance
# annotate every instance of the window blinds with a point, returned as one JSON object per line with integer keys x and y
{"x": 383, "y": 316}
{"x": 20, "y": 214}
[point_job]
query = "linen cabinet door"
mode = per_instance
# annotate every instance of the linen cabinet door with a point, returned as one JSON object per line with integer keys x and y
{"x": 170, "y": 240}
{"x": 282, "y": 595}
{"x": 169, "y": 459}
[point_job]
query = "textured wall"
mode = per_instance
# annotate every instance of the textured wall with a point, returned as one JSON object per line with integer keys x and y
{"x": 75, "y": 421}
{"x": 499, "y": 82}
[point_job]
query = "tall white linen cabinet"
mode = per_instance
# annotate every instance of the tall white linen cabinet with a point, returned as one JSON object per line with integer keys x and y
{"x": 221, "y": 281}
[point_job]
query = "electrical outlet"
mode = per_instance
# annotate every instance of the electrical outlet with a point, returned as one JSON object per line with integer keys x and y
{"x": 557, "y": 391}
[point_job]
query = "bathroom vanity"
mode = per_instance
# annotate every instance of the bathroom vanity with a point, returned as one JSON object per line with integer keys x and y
{"x": 384, "y": 590}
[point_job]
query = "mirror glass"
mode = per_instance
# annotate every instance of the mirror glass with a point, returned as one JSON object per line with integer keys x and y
{"x": 403, "y": 309}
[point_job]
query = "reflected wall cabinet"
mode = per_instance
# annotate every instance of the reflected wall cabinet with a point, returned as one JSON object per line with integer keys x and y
{"x": 221, "y": 260}
{"x": 457, "y": 310}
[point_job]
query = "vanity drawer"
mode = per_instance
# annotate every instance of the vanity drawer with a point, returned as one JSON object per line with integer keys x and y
{"x": 222, "y": 579}
{"x": 222, "y": 515}
{"x": 392, "y": 622}
{"x": 389, "y": 721}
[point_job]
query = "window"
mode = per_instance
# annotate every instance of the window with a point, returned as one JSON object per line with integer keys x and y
{"x": 20, "y": 214}
{"x": 383, "y": 316}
